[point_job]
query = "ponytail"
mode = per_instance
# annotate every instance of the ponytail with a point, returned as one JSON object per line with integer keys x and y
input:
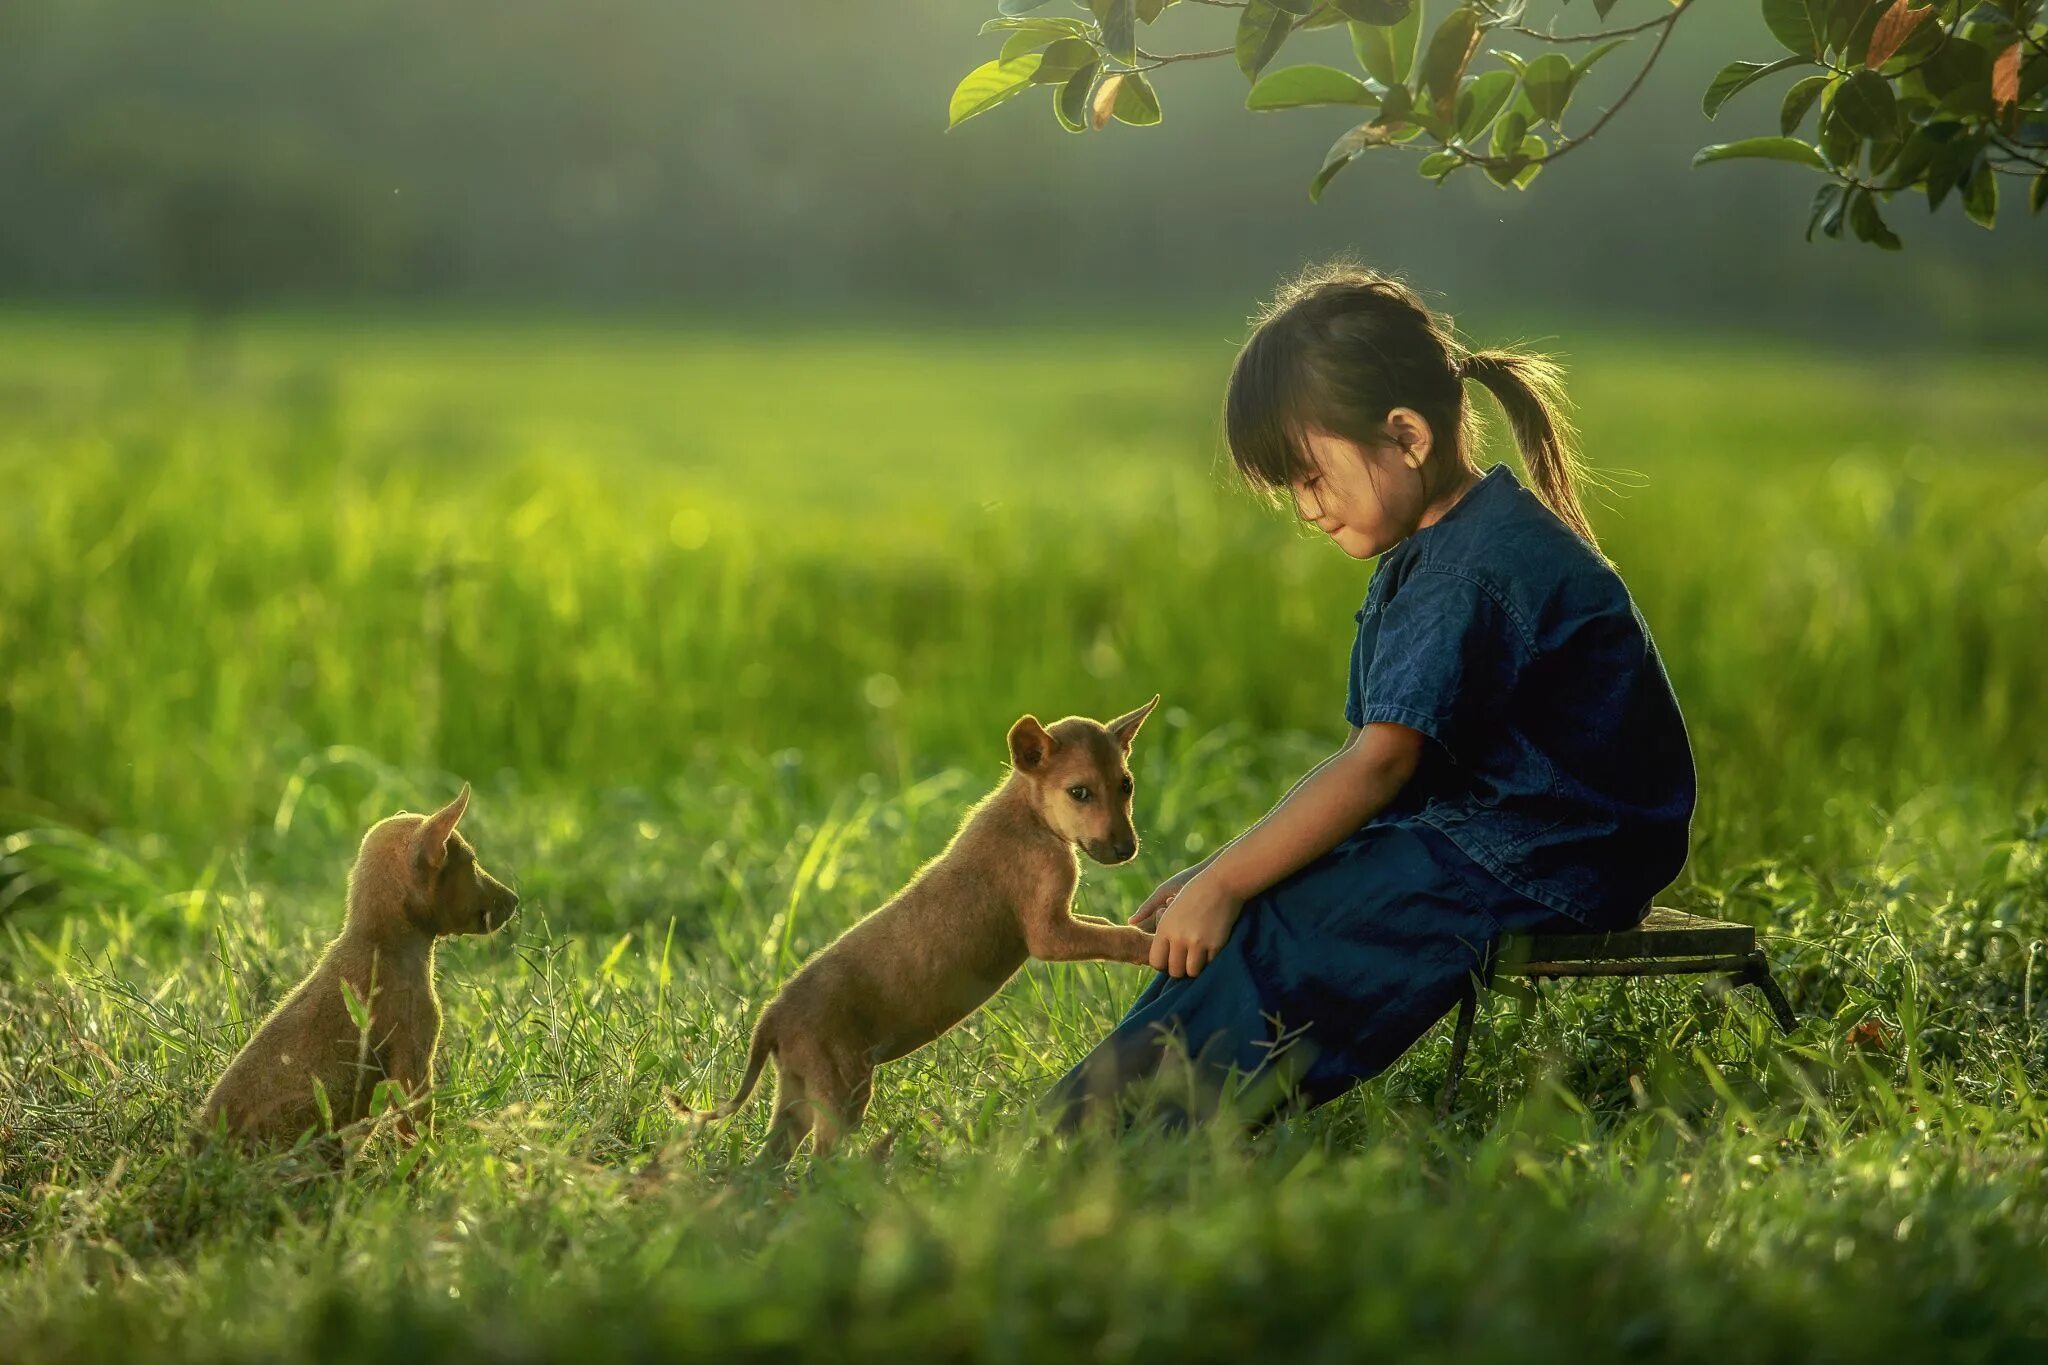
{"x": 1530, "y": 390}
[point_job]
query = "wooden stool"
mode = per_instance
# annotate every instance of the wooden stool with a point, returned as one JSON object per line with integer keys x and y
{"x": 1667, "y": 943}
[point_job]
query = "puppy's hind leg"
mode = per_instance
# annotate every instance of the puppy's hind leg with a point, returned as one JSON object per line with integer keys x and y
{"x": 840, "y": 1111}
{"x": 792, "y": 1117}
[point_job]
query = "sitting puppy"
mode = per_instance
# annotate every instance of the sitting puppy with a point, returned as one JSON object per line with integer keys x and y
{"x": 414, "y": 880}
{"x": 1000, "y": 893}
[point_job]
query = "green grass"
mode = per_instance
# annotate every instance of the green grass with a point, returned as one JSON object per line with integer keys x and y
{"x": 726, "y": 626}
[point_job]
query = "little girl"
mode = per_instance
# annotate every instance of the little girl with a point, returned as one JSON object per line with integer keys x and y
{"x": 1516, "y": 761}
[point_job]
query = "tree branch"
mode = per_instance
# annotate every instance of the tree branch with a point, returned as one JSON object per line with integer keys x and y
{"x": 2018, "y": 152}
{"x": 1669, "y": 22}
{"x": 1541, "y": 36}
{"x": 1162, "y": 58}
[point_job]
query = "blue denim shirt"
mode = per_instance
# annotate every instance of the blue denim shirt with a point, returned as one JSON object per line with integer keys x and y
{"x": 1561, "y": 763}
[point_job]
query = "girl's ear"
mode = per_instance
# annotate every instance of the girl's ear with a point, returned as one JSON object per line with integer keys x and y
{"x": 1409, "y": 430}
{"x": 1030, "y": 745}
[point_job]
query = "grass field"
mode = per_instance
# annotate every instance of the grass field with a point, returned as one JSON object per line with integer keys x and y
{"x": 726, "y": 626}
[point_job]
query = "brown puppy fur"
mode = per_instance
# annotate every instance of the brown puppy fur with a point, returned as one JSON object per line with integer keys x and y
{"x": 414, "y": 880}
{"x": 1001, "y": 892}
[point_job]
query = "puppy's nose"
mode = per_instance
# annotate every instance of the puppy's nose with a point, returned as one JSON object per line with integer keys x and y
{"x": 1125, "y": 849}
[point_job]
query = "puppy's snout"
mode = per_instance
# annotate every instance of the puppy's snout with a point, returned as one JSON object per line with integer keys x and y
{"x": 1118, "y": 848}
{"x": 500, "y": 907}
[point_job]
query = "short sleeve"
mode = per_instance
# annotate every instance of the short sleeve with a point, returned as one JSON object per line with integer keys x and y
{"x": 1446, "y": 657}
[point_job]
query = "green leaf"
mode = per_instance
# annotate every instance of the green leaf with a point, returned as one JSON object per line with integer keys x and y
{"x": 1840, "y": 143}
{"x": 1509, "y": 132}
{"x": 1071, "y": 105}
{"x": 1063, "y": 59}
{"x": 1737, "y": 76}
{"x": 1980, "y": 196}
{"x": 1397, "y": 110}
{"x": 1915, "y": 156}
{"x": 1866, "y": 104}
{"x": 1585, "y": 63}
{"x": 1798, "y": 100}
{"x": 1767, "y": 148}
{"x": 1532, "y": 147}
{"x": 1148, "y": 10}
{"x": 1801, "y": 25}
{"x": 1958, "y": 74}
{"x": 1841, "y": 20}
{"x": 1291, "y": 87}
{"x": 1374, "y": 48}
{"x": 1017, "y": 6}
{"x": 1480, "y": 100}
{"x": 989, "y": 85}
{"x": 407, "y": 1160}
{"x": 1407, "y": 41}
{"x": 1343, "y": 152}
{"x": 1868, "y": 224}
{"x": 1437, "y": 166}
{"x": 1051, "y": 27}
{"x": 1017, "y": 44}
{"x": 1601, "y": 7}
{"x": 1137, "y": 103}
{"x": 1827, "y": 211}
{"x": 1381, "y": 12}
{"x": 1952, "y": 163}
{"x": 358, "y": 1011}
{"x": 1118, "y": 20}
{"x": 1548, "y": 80}
{"x": 1443, "y": 64}
{"x": 1261, "y": 28}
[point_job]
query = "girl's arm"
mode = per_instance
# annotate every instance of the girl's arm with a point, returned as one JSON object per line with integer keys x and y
{"x": 1340, "y": 794}
{"x": 1162, "y": 895}
{"x": 1343, "y": 792}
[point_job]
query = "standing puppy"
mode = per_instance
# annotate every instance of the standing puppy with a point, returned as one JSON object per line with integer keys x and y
{"x": 1001, "y": 892}
{"x": 414, "y": 880}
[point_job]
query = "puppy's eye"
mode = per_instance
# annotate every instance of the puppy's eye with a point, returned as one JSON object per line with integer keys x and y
{"x": 1079, "y": 793}
{"x": 1126, "y": 784}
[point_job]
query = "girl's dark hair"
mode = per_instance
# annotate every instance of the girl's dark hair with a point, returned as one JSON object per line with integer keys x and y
{"x": 1341, "y": 346}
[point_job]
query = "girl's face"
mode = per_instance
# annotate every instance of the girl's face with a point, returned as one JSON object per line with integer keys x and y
{"x": 1368, "y": 499}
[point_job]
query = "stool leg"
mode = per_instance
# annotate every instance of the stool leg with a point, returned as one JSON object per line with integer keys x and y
{"x": 1460, "y": 1041}
{"x": 1756, "y": 971}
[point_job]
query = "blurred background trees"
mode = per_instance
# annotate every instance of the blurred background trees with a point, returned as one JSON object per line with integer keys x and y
{"x": 787, "y": 157}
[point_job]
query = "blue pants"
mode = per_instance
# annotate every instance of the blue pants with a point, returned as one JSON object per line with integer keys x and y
{"x": 1328, "y": 977}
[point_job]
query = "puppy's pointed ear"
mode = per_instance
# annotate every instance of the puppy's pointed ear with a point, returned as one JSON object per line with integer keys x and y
{"x": 430, "y": 845}
{"x": 1125, "y": 727}
{"x": 1030, "y": 744}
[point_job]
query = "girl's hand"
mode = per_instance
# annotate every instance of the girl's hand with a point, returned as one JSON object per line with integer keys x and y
{"x": 1194, "y": 928}
{"x": 1163, "y": 896}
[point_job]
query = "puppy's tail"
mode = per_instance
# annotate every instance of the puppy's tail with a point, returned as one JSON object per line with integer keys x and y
{"x": 758, "y": 1053}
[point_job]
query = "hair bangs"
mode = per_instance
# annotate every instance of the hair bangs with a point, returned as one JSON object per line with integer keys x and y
{"x": 1262, "y": 420}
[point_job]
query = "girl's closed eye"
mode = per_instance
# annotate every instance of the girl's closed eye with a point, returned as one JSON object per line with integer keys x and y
{"x": 1309, "y": 497}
